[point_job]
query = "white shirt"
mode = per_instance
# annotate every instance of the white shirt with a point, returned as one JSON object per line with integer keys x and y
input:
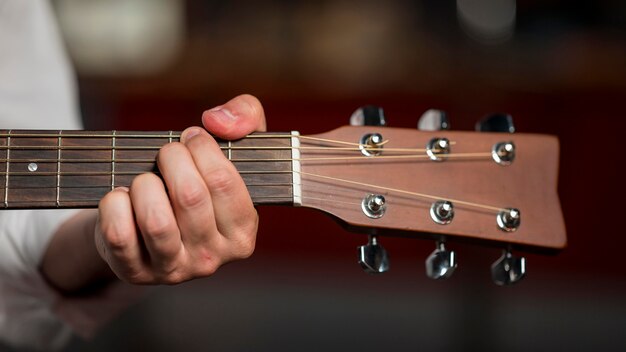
{"x": 37, "y": 91}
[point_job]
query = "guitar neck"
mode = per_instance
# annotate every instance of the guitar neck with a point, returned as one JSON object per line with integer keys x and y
{"x": 396, "y": 182}
{"x": 75, "y": 169}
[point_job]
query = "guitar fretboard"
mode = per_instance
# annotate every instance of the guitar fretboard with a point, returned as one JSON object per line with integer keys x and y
{"x": 75, "y": 169}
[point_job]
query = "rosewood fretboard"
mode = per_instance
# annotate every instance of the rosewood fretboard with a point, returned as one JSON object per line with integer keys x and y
{"x": 75, "y": 169}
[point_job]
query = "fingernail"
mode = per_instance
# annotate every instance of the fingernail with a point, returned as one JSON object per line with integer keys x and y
{"x": 188, "y": 134}
{"x": 223, "y": 114}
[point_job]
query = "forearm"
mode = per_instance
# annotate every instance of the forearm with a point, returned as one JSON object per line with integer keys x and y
{"x": 71, "y": 262}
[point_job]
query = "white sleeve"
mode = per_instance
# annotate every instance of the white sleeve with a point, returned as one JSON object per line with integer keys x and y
{"x": 32, "y": 314}
{"x": 26, "y": 318}
{"x": 37, "y": 91}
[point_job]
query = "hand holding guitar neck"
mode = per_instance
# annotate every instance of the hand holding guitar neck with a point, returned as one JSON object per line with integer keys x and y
{"x": 185, "y": 223}
{"x": 492, "y": 187}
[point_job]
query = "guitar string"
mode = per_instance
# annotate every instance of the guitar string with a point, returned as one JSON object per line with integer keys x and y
{"x": 171, "y": 136}
{"x": 142, "y": 148}
{"x": 108, "y": 185}
{"x": 174, "y": 136}
{"x": 361, "y": 146}
{"x": 422, "y": 195}
{"x": 395, "y": 190}
{"x": 88, "y": 201}
{"x": 363, "y": 158}
{"x": 122, "y": 173}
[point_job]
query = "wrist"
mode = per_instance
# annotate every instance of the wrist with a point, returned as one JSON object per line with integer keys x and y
{"x": 71, "y": 263}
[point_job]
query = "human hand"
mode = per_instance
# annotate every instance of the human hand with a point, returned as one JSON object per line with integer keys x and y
{"x": 148, "y": 235}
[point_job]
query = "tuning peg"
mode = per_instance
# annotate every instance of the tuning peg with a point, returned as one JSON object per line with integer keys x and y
{"x": 368, "y": 116}
{"x": 441, "y": 263}
{"x": 433, "y": 120}
{"x": 373, "y": 257}
{"x": 508, "y": 269}
{"x": 496, "y": 123}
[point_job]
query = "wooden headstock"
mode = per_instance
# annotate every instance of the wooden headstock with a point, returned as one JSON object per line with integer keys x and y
{"x": 336, "y": 176}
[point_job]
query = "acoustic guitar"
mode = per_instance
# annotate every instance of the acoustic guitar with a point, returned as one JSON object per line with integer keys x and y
{"x": 495, "y": 188}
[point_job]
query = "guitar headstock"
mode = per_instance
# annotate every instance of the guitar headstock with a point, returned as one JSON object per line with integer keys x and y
{"x": 498, "y": 189}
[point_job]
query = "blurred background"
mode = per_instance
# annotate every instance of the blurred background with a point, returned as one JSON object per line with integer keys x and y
{"x": 558, "y": 66}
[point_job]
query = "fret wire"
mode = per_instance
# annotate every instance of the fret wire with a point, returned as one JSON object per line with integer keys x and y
{"x": 113, "y": 161}
{"x": 59, "y": 168}
{"x": 6, "y": 178}
{"x": 230, "y": 150}
{"x": 171, "y": 136}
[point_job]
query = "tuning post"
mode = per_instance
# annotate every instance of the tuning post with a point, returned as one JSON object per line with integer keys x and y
{"x": 373, "y": 206}
{"x": 371, "y": 144}
{"x": 437, "y": 148}
{"x": 509, "y": 219}
{"x": 441, "y": 263}
{"x": 372, "y": 257}
{"x": 508, "y": 269}
{"x": 503, "y": 153}
{"x": 442, "y": 212}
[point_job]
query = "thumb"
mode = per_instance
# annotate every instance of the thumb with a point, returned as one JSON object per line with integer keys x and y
{"x": 240, "y": 116}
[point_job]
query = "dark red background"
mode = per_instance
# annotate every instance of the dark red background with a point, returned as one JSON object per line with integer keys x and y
{"x": 561, "y": 73}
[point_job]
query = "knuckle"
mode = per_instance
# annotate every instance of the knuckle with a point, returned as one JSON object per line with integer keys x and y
{"x": 134, "y": 276}
{"x": 245, "y": 248}
{"x": 191, "y": 196}
{"x": 245, "y": 242}
{"x": 206, "y": 269}
{"x": 157, "y": 227}
{"x": 221, "y": 181}
{"x": 138, "y": 280}
{"x": 172, "y": 278}
{"x": 114, "y": 238}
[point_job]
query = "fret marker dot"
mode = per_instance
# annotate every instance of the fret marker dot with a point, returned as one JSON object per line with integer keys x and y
{"x": 32, "y": 167}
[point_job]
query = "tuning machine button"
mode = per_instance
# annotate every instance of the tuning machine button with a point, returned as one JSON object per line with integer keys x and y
{"x": 441, "y": 263}
{"x": 508, "y": 269}
{"x": 373, "y": 257}
{"x": 368, "y": 116}
{"x": 433, "y": 120}
{"x": 496, "y": 123}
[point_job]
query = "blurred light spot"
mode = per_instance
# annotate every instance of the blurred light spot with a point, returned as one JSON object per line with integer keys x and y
{"x": 122, "y": 37}
{"x": 487, "y": 21}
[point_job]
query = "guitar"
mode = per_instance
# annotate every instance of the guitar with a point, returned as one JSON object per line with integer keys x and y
{"x": 497, "y": 189}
